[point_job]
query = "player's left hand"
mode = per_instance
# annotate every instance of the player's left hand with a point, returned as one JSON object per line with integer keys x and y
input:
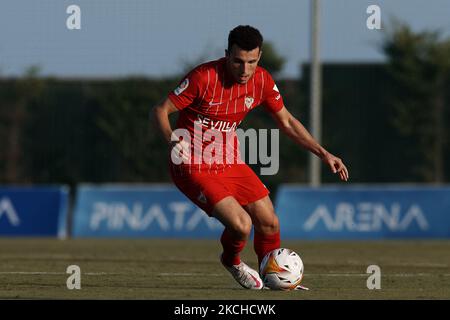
{"x": 336, "y": 165}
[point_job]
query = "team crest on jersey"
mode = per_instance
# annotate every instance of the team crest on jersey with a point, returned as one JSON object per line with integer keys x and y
{"x": 182, "y": 87}
{"x": 249, "y": 101}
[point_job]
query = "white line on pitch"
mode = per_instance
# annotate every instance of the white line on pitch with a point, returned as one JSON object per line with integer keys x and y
{"x": 181, "y": 274}
{"x": 383, "y": 274}
{"x": 185, "y": 274}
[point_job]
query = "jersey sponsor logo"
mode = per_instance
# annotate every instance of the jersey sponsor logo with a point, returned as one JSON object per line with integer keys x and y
{"x": 219, "y": 125}
{"x": 275, "y": 88}
{"x": 249, "y": 101}
{"x": 278, "y": 97}
{"x": 181, "y": 87}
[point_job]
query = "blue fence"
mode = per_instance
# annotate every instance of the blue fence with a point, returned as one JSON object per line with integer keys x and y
{"x": 139, "y": 211}
{"x": 363, "y": 212}
{"x": 161, "y": 211}
{"x": 33, "y": 211}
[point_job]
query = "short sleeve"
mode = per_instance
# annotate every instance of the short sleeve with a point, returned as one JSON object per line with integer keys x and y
{"x": 187, "y": 91}
{"x": 272, "y": 99}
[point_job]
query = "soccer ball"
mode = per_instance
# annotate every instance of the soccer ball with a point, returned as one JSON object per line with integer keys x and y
{"x": 281, "y": 269}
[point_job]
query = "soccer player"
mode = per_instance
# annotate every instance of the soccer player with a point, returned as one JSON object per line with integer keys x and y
{"x": 212, "y": 100}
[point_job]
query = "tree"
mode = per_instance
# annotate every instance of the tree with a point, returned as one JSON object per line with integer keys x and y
{"x": 124, "y": 118}
{"x": 271, "y": 60}
{"x": 419, "y": 64}
{"x": 25, "y": 91}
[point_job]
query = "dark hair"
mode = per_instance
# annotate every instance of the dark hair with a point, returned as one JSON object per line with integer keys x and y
{"x": 245, "y": 37}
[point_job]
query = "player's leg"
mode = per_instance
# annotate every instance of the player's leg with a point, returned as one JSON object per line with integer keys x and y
{"x": 238, "y": 226}
{"x": 267, "y": 228}
{"x": 237, "y": 229}
{"x": 211, "y": 193}
{"x": 251, "y": 193}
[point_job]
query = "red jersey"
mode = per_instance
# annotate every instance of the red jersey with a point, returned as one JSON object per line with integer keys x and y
{"x": 212, "y": 105}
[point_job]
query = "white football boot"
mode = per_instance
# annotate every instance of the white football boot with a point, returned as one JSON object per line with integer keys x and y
{"x": 245, "y": 276}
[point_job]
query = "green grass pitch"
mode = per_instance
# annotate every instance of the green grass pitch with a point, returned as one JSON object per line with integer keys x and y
{"x": 190, "y": 269}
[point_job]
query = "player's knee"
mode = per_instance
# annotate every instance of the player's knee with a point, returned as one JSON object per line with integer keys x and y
{"x": 274, "y": 225}
{"x": 270, "y": 226}
{"x": 243, "y": 227}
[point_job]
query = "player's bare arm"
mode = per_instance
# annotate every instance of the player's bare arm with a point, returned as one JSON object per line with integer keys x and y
{"x": 160, "y": 115}
{"x": 298, "y": 133}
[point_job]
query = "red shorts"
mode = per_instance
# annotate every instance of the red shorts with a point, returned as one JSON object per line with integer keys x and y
{"x": 206, "y": 189}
